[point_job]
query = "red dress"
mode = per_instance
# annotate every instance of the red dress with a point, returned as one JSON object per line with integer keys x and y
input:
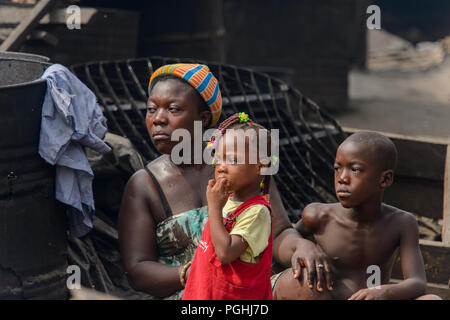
{"x": 209, "y": 279}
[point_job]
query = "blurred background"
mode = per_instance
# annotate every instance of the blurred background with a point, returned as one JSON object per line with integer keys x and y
{"x": 395, "y": 80}
{"x": 324, "y": 48}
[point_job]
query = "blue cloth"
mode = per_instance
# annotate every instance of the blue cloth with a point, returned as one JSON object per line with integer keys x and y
{"x": 71, "y": 120}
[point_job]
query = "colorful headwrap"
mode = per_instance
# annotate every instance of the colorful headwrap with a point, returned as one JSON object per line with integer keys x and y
{"x": 199, "y": 77}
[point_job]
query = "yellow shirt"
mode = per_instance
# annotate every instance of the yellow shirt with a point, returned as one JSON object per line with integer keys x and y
{"x": 253, "y": 225}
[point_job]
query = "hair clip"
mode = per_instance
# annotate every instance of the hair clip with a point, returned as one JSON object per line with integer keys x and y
{"x": 243, "y": 117}
{"x": 275, "y": 160}
{"x": 212, "y": 144}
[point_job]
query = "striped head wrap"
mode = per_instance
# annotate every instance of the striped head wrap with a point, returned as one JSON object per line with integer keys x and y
{"x": 199, "y": 77}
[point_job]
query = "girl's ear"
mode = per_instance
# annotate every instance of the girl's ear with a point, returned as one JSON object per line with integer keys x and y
{"x": 206, "y": 118}
{"x": 260, "y": 166}
{"x": 387, "y": 178}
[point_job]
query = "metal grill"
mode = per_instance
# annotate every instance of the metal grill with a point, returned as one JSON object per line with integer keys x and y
{"x": 308, "y": 135}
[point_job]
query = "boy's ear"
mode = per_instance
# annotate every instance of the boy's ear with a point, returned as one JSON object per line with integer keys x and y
{"x": 387, "y": 178}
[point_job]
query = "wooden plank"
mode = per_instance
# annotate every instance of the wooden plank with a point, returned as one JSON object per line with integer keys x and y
{"x": 420, "y": 159}
{"x": 21, "y": 31}
{"x": 439, "y": 290}
{"x": 436, "y": 258}
{"x": 446, "y": 225}
{"x": 419, "y": 196}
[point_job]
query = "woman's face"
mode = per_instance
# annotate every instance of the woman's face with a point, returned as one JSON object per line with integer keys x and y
{"x": 172, "y": 105}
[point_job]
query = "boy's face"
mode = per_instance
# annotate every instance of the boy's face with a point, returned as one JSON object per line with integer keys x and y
{"x": 239, "y": 175}
{"x": 357, "y": 178}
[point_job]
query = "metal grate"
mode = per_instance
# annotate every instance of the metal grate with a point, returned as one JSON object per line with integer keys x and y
{"x": 309, "y": 136}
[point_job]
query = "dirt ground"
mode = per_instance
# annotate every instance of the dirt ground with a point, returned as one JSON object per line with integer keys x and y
{"x": 408, "y": 103}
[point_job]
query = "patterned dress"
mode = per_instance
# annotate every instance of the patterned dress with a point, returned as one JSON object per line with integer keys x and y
{"x": 177, "y": 239}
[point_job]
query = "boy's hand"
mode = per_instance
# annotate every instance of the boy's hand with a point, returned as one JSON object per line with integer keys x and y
{"x": 217, "y": 193}
{"x": 370, "y": 294}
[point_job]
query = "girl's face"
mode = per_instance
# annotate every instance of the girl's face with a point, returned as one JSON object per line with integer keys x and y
{"x": 241, "y": 177}
{"x": 172, "y": 105}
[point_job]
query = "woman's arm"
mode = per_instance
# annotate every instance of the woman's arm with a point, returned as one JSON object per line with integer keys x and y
{"x": 138, "y": 242}
{"x": 286, "y": 239}
{"x": 290, "y": 249}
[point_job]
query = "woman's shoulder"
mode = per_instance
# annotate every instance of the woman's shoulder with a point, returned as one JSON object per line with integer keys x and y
{"x": 161, "y": 167}
{"x": 155, "y": 166}
{"x": 143, "y": 192}
{"x": 158, "y": 161}
{"x": 138, "y": 184}
{"x": 141, "y": 181}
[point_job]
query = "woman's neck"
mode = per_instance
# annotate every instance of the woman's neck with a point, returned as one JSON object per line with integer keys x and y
{"x": 195, "y": 162}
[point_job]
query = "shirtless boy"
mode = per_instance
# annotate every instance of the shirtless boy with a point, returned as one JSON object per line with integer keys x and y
{"x": 360, "y": 231}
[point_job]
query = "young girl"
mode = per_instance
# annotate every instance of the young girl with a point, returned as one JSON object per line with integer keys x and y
{"x": 234, "y": 255}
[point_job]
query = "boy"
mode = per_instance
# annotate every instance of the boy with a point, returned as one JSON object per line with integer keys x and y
{"x": 360, "y": 234}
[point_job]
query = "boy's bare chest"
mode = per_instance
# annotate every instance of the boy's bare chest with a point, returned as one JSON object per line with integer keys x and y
{"x": 357, "y": 247}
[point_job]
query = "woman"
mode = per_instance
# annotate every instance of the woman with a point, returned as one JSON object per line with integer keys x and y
{"x": 163, "y": 209}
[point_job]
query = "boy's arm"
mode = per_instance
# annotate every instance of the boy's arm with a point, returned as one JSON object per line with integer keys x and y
{"x": 414, "y": 283}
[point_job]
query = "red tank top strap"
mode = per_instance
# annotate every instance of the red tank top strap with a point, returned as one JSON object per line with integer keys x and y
{"x": 230, "y": 219}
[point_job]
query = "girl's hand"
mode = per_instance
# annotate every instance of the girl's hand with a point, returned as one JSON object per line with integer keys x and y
{"x": 217, "y": 194}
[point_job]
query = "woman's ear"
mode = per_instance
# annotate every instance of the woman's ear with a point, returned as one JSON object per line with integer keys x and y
{"x": 206, "y": 118}
{"x": 387, "y": 178}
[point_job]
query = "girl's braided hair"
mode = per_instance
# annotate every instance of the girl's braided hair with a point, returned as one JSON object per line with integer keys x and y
{"x": 235, "y": 122}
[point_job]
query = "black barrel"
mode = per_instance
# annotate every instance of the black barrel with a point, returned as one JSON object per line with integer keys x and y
{"x": 33, "y": 241}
